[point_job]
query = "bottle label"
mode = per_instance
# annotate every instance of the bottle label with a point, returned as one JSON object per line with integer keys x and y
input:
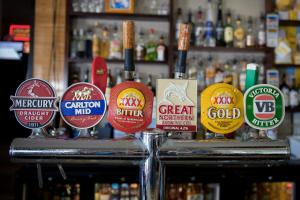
{"x": 208, "y": 30}
{"x": 83, "y": 105}
{"x": 239, "y": 34}
{"x": 228, "y": 34}
{"x": 140, "y": 52}
{"x": 115, "y": 49}
{"x": 176, "y": 105}
{"x": 222, "y": 108}
{"x": 261, "y": 38}
{"x": 130, "y": 108}
{"x": 34, "y": 103}
{"x": 264, "y": 107}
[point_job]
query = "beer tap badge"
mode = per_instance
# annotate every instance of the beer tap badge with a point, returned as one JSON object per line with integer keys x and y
{"x": 264, "y": 106}
{"x": 34, "y": 103}
{"x": 176, "y": 105}
{"x": 83, "y": 105}
{"x": 130, "y": 108}
{"x": 222, "y": 109}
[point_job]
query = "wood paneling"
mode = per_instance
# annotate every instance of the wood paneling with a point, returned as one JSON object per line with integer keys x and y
{"x": 49, "y": 43}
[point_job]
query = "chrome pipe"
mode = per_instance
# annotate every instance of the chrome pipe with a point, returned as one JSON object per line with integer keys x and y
{"x": 223, "y": 149}
{"x": 152, "y": 171}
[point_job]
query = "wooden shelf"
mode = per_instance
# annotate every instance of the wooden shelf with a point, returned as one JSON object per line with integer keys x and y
{"x": 117, "y": 16}
{"x": 286, "y": 65}
{"x": 231, "y": 49}
{"x": 73, "y": 61}
{"x": 289, "y": 22}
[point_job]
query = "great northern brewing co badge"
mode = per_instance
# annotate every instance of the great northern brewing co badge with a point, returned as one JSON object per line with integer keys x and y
{"x": 130, "y": 108}
{"x": 83, "y": 105}
{"x": 176, "y": 105}
{"x": 34, "y": 103}
{"x": 264, "y": 106}
{"x": 222, "y": 108}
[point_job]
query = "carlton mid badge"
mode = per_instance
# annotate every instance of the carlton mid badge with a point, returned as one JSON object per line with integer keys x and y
{"x": 83, "y": 105}
{"x": 34, "y": 103}
{"x": 264, "y": 107}
{"x": 176, "y": 105}
{"x": 130, "y": 108}
{"x": 222, "y": 108}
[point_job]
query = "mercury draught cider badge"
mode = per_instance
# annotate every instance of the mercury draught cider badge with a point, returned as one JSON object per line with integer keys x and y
{"x": 34, "y": 103}
{"x": 176, "y": 105}
{"x": 83, "y": 105}
{"x": 130, "y": 108}
{"x": 264, "y": 106}
{"x": 222, "y": 108}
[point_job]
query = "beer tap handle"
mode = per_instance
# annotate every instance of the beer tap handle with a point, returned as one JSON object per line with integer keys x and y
{"x": 128, "y": 44}
{"x": 39, "y": 175}
{"x": 183, "y": 47}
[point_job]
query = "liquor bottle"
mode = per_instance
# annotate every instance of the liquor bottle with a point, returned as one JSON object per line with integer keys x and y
{"x": 235, "y": 73}
{"x": 201, "y": 76}
{"x": 134, "y": 191}
{"x": 294, "y": 95}
{"x": 228, "y": 31}
{"x": 124, "y": 194}
{"x": 66, "y": 192}
{"x": 209, "y": 40}
{"x": 219, "y": 26}
{"x": 96, "y": 40}
{"x": 88, "y": 44}
{"x": 151, "y": 54}
{"x": 250, "y": 38}
{"x": 242, "y": 76}
{"x": 73, "y": 45}
{"x": 239, "y": 34}
{"x": 190, "y": 21}
{"x": 81, "y": 48}
{"x": 190, "y": 191}
{"x": 192, "y": 68}
{"x": 137, "y": 77}
{"x": 119, "y": 78}
{"x": 149, "y": 83}
{"x": 199, "y": 28}
{"x": 104, "y": 45}
{"x": 153, "y": 7}
{"x": 105, "y": 192}
{"x": 285, "y": 89}
{"x": 172, "y": 192}
{"x": 210, "y": 72}
{"x": 140, "y": 47}
{"x": 76, "y": 192}
{"x": 219, "y": 76}
{"x": 115, "y": 45}
{"x": 86, "y": 76}
{"x": 161, "y": 50}
{"x": 179, "y": 20}
{"x": 115, "y": 191}
{"x": 261, "y": 34}
{"x": 75, "y": 77}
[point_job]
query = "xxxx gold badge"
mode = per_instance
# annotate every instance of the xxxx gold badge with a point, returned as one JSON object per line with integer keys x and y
{"x": 222, "y": 109}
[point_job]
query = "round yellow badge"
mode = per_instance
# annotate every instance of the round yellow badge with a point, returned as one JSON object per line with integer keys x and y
{"x": 131, "y": 99}
{"x": 222, "y": 109}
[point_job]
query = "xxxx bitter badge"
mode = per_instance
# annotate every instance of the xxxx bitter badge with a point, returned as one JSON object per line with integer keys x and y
{"x": 34, "y": 103}
{"x": 222, "y": 109}
{"x": 264, "y": 107}
{"x": 83, "y": 105}
{"x": 176, "y": 105}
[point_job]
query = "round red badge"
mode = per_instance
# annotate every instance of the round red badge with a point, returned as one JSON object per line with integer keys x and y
{"x": 83, "y": 105}
{"x": 34, "y": 103}
{"x": 130, "y": 107}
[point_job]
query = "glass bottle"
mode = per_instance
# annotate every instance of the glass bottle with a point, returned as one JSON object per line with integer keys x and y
{"x": 149, "y": 83}
{"x": 261, "y": 34}
{"x": 96, "y": 40}
{"x": 125, "y": 194}
{"x": 119, "y": 76}
{"x": 153, "y": 7}
{"x": 209, "y": 27}
{"x": 285, "y": 89}
{"x": 151, "y": 54}
{"x": 140, "y": 47}
{"x": 105, "y": 192}
{"x": 190, "y": 21}
{"x": 239, "y": 34}
{"x": 134, "y": 191}
{"x": 219, "y": 26}
{"x": 294, "y": 95}
{"x": 161, "y": 50}
{"x": 201, "y": 76}
{"x": 109, "y": 85}
{"x": 104, "y": 45}
{"x": 228, "y": 31}
{"x": 81, "y": 48}
{"x": 250, "y": 38}
{"x": 115, "y": 45}
{"x": 199, "y": 28}
{"x": 115, "y": 191}
{"x": 210, "y": 72}
{"x": 179, "y": 20}
{"x": 89, "y": 44}
{"x": 73, "y": 45}
{"x": 76, "y": 192}
{"x": 86, "y": 76}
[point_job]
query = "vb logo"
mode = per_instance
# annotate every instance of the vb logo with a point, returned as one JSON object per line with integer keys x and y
{"x": 264, "y": 106}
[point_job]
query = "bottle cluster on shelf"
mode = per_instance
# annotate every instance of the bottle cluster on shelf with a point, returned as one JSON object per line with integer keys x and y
{"x": 107, "y": 43}
{"x": 208, "y": 32}
{"x": 59, "y": 191}
{"x": 155, "y": 7}
{"x": 211, "y": 70}
{"x": 116, "y": 191}
{"x": 291, "y": 92}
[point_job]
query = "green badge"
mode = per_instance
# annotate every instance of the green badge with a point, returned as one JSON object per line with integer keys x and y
{"x": 264, "y": 106}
